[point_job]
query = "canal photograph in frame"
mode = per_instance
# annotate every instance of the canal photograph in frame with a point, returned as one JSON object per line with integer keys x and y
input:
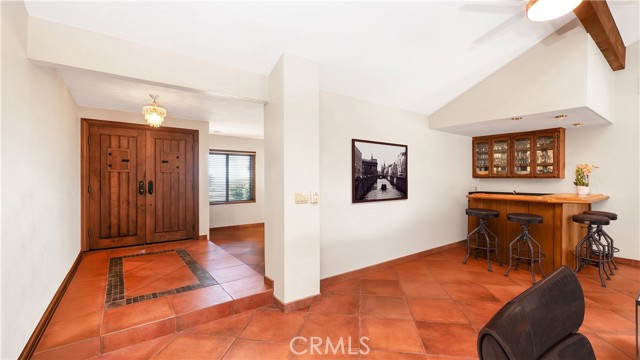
{"x": 379, "y": 171}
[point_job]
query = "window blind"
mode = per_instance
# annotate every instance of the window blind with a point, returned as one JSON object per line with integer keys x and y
{"x": 231, "y": 176}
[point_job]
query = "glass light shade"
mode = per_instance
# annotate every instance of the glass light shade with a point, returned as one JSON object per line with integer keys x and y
{"x": 543, "y": 10}
{"x": 154, "y": 115}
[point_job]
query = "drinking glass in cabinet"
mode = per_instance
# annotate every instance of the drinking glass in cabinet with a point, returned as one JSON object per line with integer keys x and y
{"x": 545, "y": 157}
{"x": 544, "y": 169}
{"x": 500, "y": 146}
{"x": 544, "y": 142}
{"x": 522, "y": 158}
{"x": 524, "y": 144}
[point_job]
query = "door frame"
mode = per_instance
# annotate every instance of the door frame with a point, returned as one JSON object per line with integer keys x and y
{"x": 84, "y": 170}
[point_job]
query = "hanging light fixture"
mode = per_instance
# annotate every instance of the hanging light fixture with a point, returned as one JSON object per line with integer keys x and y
{"x": 543, "y": 10}
{"x": 154, "y": 114}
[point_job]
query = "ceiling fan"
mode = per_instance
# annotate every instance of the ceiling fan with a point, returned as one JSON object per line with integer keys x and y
{"x": 535, "y": 10}
{"x": 594, "y": 15}
{"x": 513, "y": 7}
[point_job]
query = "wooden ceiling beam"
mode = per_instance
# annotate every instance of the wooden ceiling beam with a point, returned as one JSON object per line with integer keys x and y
{"x": 596, "y": 18}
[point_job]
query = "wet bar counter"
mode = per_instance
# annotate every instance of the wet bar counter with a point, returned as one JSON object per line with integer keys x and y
{"x": 557, "y": 235}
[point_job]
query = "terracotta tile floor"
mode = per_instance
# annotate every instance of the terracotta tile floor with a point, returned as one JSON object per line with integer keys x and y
{"x": 245, "y": 244}
{"x": 430, "y": 308}
{"x": 88, "y": 322}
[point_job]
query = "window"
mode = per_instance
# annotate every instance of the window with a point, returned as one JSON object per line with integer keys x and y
{"x": 232, "y": 176}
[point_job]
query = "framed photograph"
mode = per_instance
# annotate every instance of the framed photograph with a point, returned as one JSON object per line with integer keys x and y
{"x": 379, "y": 171}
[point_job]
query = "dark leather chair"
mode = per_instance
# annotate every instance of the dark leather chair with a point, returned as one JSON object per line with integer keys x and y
{"x": 540, "y": 323}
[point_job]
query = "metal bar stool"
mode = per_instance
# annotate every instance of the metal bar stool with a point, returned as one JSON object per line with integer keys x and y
{"x": 601, "y": 234}
{"x": 489, "y": 245}
{"x": 534, "y": 254}
{"x": 589, "y": 250}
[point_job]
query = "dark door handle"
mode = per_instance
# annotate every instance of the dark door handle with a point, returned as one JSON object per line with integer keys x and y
{"x": 150, "y": 187}
{"x": 141, "y": 187}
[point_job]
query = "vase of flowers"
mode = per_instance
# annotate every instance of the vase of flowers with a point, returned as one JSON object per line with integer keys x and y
{"x": 582, "y": 178}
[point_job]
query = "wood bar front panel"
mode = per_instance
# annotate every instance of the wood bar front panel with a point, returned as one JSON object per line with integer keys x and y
{"x": 557, "y": 235}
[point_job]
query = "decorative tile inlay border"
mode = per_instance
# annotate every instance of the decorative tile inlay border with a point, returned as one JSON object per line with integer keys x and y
{"x": 115, "y": 280}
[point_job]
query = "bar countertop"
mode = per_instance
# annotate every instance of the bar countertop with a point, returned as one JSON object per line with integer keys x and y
{"x": 566, "y": 198}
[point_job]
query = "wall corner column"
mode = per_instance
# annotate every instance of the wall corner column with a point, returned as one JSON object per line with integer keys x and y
{"x": 292, "y": 163}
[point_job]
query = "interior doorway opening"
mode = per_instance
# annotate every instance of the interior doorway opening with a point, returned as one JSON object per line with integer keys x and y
{"x": 245, "y": 243}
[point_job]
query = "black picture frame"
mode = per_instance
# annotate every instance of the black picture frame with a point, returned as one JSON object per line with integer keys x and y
{"x": 379, "y": 171}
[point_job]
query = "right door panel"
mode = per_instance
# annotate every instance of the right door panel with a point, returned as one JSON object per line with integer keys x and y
{"x": 170, "y": 187}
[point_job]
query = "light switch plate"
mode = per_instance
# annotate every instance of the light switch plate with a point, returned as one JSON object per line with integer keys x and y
{"x": 301, "y": 197}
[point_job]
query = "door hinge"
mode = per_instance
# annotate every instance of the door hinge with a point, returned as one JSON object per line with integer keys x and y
{"x": 89, "y": 233}
{"x": 89, "y": 140}
{"x": 193, "y": 147}
{"x": 89, "y": 189}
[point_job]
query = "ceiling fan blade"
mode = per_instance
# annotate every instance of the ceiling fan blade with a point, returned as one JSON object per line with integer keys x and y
{"x": 500, "y": 28}
{"x": 493, "y": 7}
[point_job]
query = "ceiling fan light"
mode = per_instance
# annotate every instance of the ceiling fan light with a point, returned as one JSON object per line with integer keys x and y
{"x": 544, "y": 10}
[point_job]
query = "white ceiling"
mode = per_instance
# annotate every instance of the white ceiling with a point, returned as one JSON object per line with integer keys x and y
{"x": 411, "y": 55}
{"x": 226, "y": 115}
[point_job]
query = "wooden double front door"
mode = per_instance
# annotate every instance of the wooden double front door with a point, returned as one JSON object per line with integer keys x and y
{"x": 141, "y": 184}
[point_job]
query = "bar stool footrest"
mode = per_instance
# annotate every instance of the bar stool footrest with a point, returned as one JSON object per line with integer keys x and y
{"x": 535, "y": 258}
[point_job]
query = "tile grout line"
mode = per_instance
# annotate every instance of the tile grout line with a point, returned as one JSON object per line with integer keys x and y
{"x": 413, "y": 319}
{"x": 71, "y": 343}
{"x": 174, "y": 336}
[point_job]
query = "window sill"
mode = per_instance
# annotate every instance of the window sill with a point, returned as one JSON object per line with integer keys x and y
{"x": 233, "y": 202}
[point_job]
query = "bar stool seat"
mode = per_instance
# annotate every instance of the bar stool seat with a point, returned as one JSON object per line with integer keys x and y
{"x": 486, "y": 240}
{"x": 590, "y": 219}
{"x": 608, "y": 215}
{"x": 524, "y": 218}
{"x": 482, "y": 213}
{"x": 532, "y": 252}
{"x": 590, "y": 250}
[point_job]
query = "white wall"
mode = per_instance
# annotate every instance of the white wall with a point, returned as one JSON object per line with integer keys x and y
{"x": 292, "y": 232}
{"x": 203, "y": 150}
{"x": 273, "y": 180}
{"x": 1, "y": 199}
{"x": 614, "y": 148}
{"x": 40, "y": 184}
{"x": 358, "y": 235}
{"x": 549, "y": 76}
{"x": 244, "y": 213}
{"x": 56, "y": 43}
{"x": 563, "y": 71}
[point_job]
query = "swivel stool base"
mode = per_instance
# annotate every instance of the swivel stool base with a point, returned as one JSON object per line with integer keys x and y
{"x": 525, "y": 247}
{"x": 485, "y": 239}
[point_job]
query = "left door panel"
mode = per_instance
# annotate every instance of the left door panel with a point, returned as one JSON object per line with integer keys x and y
{"x": 116, "y": 215}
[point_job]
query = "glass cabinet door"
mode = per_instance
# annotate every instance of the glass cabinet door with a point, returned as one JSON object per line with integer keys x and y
{"x": 522, "y": 156}
{"x": 481, "y": 158}
{"x": 545, "y": 155}
{"x": 500, "y": 157}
